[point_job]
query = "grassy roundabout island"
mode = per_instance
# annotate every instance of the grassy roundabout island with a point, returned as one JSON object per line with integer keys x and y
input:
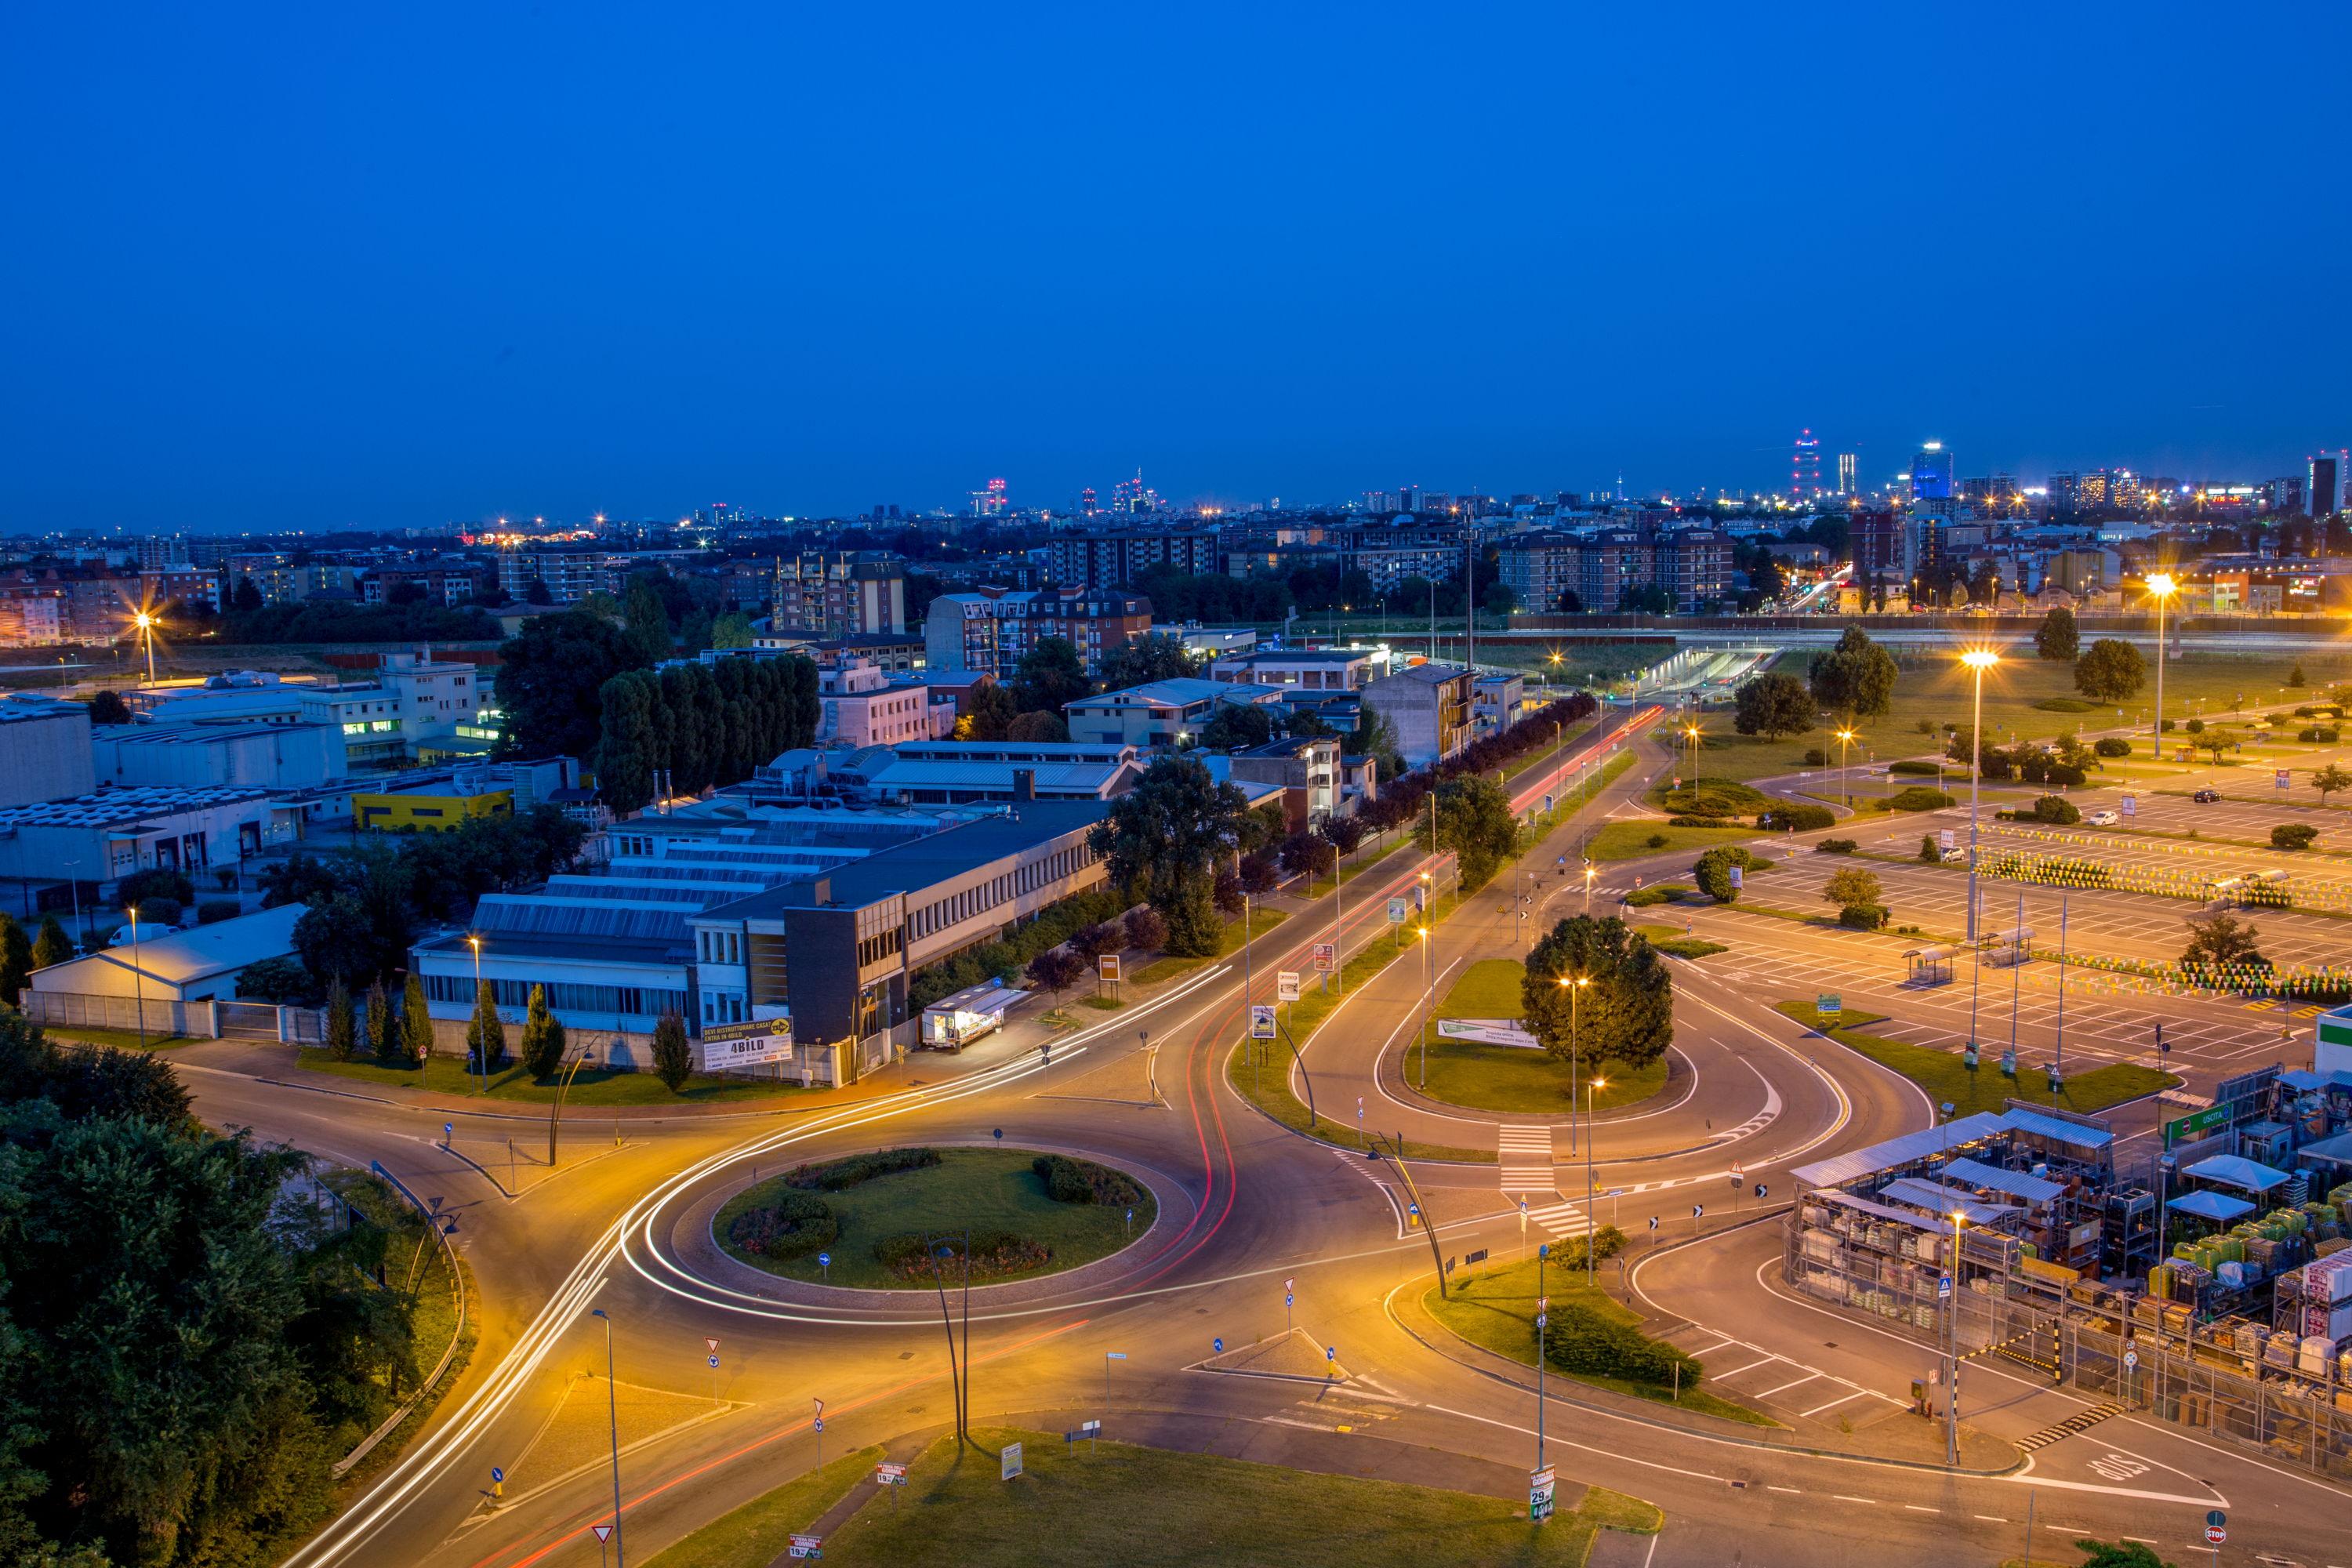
{"x": 1028, "y": 1214}
{"x": 1480, "y": 1076}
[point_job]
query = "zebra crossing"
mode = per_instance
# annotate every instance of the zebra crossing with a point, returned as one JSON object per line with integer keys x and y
{"x": 1523, "y": 1158}
{"x": 1561, "y": 1219}
{"x": 2061, "y": 1431}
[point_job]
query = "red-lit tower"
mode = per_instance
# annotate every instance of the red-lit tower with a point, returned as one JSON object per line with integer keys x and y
{"x": 1805, "y": 471}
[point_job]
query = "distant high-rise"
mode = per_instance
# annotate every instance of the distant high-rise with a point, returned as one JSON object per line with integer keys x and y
{"x": 1805, "y": 467}
{"x": 1846, "y": 466}
{"x": 1931, "y": 473}
{"x": 993, "y": 502}
{"x": 2329, "y": 488}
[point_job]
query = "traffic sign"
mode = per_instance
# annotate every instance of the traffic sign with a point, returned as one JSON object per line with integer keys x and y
{"x": 709, "y": 1343}
{"x": 2278, "y": 779}
{"x": 1943, "y": 1288}
{"x": 497, "y": 1476}
{"x": 887, "y": 1474}
{"x": 1008, "y": 1461}
{"x": 2131, "y": 1360}
{"x": 1699, "y": 1211}
{"x": 1261, "y": 1021}
{"x": 805, "y": 1546}
{"x": 818, "y": 1423}
{"x": 2216, "y": 1535}
{"x": 1762, "y": 1190}
{"x": 714, "y": 1362}
{"x": 2131, "y": 805}
{"x": 1829, "y": 1005}
{"x": 825, "y": 1261}
{"x": 1287, "y": 1299}
{"x": 1326, "y": 957}
{"x": 1653, "y": 1222}
{"x": 1540, "y": 1485}
{"x": 1217, "y": 1345}
{"x": 604, "y": 1533}
{"x": 1330, "y": 1352}
{"x": 2215, "y": 1516}
{"x": 1285, "y": 985}
{"x": 1108, "y": 964}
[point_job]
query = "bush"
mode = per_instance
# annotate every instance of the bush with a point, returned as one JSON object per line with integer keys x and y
{"x": 2167, "y": 726}
{"x": 214, "y": 910}
{"x": 1797, "y": 818}
{"x": 2293, "y": 836}
{"x": 995, "y": 1253}
{"x": 1004, "y": 959}
{"x": 1914, "y": 765}
{"x": 1919, "y": 797}
{"x": 155, "y": 882}
{"x": 161, "y": 911}
{"x": 1712, "y": 871}
{"x": 2319, "y": 735}
{"x": 2112, "y": 746}
{"x": 833, "y": 1176}
{"x": 1069, "y": 1181}
{"x": 794, "y": 1226}
{"x": 1835, "y": 846}
{"x": 1863, "y": 917}
{"x": 1643, "y": 898}
{"x": 1929, "y": 850}
{"x": 2197, "y": 726}
{"x": 2055, "y": 809}
{"x": 1816, "y": 758}
{"x": 1657, "y": 841}
{"x": 1578, "y": 1339}
{"x": 1688, "y": 821}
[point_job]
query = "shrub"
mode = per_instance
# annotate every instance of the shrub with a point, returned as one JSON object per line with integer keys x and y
{"x": 2306, "y": 712}
{"x": 1712, "y": 871}
{"x": 1914, "y": 765}
{"x": 2293, "y": 836}
{"x": 161, "y": 911}
{"x": 1863, "y": 917}
{"x": 2197, "y": 726}
{"x": 833, "y": 1176}
{"x": 1797, "y": 818}
{"x": 1643, "y": 898}
{"x": 1919, "y": 797}
{"x": 794, "y": 1226}
{"x": 1069, "y": 1181}
{"x": 1835, "y": 846}
{"x": 2055, "y": 809}
{"x": 1688, "y": 821}
{"x": 1578, "y": 1339}
{"x": 2112, "y": 746}
{"x": 2167, "y": 726}
{"x": 155, "y": 882}
{"x": 1657, "y": 841}
{"x": 2319, "y": 735}
{"x": 1929, "y": 850}
{"x": 215, "y": 909}
{"x": 1816, "y": 758}
{"x": 673, "y": 1057}
{"x": 995, "y": 1253}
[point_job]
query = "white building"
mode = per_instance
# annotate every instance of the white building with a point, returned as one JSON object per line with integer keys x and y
{"x": 178, "y": 966}
{"x": 257, "y": 754}
{"x": 105, "y": 837}
{"x": 863, "y": 707}
{"x": 44, "y": 750}
{"x": 412, "y": 699}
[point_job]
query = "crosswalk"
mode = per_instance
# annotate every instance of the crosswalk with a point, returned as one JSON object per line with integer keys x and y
{"x": 2061, "y": 1431}
{"x": 1523, "y": 1156}
{"x": 1561, "y": 1219}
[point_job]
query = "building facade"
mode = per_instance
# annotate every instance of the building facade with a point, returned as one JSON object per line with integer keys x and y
{"x": 1428, "y": 706}
{"x": 1116, "y": 559}
{"x": 843, "y": 593}
{"x": 990, "y": 631}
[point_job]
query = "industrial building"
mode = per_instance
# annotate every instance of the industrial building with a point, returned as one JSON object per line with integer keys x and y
{"x": 44, "y": 750}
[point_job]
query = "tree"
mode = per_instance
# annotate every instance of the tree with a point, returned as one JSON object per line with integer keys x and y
{"x": 343, "y": 1027}
{"x": 2219, "y": 940}
{"x": 2057, "y": 637}
{"x": 107, "y": 708}
{"x": 1376, "y": 737}
{"x": 1625, "y": 1012}
{"x": 2295, "y": 677}
{"x": 1256, "y": 874}
{"x": 2213, "y": 743}
{"x": 1155, "y": 656}
{"x": 2293, "y": 836}
{"x": 337, "y": 938}
{"x": 1850, "y": 886}
{"x": 1041, "y": 725}
{"x": 730, "y": 630}
{"x": 1163, "y": 840}
{"x": 1929, "y": 850}
{"x": 1146, "y": 932}
{"x": 2328, "y": 780}
{"x": 1773, "y": 705}
{"x": 1711, "y": 872}
{"x": 1856, "y": 677}
{"x": 993, "y": 712}
{"x": 1307, "y": 854}
{"x": 551, "y": 680}
{"x": 673, "y": 1057}
{"x": 154, "y": 882}
{"x": 1237, "y": 724}
{"x": 542, "y": 1037}
{"x": 647, "y": 623}
{"x": 52, "y": 946}
{"x": 628, "y": 746}
{"x": 486, "y": 1032}
{"x": 1101, "y": 940}
{"x": 1474, "y": 821}
{"x": 1050, "y": 674}
{"x": 415, "y": 1022}
{"x": 245, "y": 597}
{"x": 2110, "y": 670}
{"x": 16, "y": 958}
{"x": 1344, "y": 832}
{"x": 383, "y": 1037}
{"x": 1056, "y": 970}
{"x": 280, "y": 980}
{"x": 1645, "y": 599}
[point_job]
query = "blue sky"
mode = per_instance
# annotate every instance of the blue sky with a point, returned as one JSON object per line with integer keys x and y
{"x": 323, "y": 266}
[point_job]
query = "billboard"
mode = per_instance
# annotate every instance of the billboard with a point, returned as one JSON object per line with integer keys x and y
{"x": 756, "y": 1042}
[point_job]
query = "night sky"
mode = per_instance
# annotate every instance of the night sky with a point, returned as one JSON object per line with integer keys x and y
{"x": 392, "y": 267}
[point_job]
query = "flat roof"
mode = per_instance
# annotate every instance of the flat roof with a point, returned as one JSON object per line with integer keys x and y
{"x": 187, "y": 956}
{"x": 191, "y": 732}
{"x": 1909, "y": 1149}
{"x": 119, "y": 807}
{"x": 926, "y": 862}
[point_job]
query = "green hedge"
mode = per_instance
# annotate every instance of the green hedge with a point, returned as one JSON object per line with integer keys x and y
{"x": 1919, "y": 798}
{"x": 1006, "y": 957}
{"x": 1836, "y": 847}
{"x": 2112, "y": 746}
{"x": 1802, "y": 818}
{"x": 1579, "y": 1340}
{"x": 1863, "y": 917}
{"x": 1069, "y": 1181}
{"x": 833, "y": 1176}
{"x": 914, "y": 1257}
{"x": 794, "y": 1226}
{"x": 1913, "y": 765}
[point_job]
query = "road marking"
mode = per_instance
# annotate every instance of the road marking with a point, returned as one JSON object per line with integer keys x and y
{"x": 1992, "y": 1519}
{"x": 1718, "y": 1344}
{"x": 1792, "y": 1383}
{"x": 1561, "y": 1219}
{"x": 1751, "y": 1366}
{"x": 1523, "y": 1159}
{"x": 1790, "y": 1489}
{"x": 1916, "y": 1507}
{"x": 1843, "y": 1498}
{"x": 1833, "y": 1404}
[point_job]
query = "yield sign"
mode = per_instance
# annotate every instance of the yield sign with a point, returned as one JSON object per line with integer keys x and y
{"x": 604, "y": 1533}
{"x": 712, "y": 1344}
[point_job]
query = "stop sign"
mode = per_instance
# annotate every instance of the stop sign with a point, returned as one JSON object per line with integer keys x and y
{"x": 2216, "y": 1535}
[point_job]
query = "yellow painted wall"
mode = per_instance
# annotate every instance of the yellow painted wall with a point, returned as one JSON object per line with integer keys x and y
{"x": 427, "y": 813}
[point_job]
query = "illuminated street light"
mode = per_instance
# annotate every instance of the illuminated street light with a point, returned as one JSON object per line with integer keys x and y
{"x": 1978, "y": 660}
{"x": 2160, "y": 586}
{"x": 1846, "y": 738}
{"x": 146, "y": 625}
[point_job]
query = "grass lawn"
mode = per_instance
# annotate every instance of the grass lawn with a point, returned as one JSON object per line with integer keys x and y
{"x": 1087, "y": 1506}
{"x": 987, "y": 1189}
{"x": 1480, "y": 1076}
{"x": 1623, "y": 840}
{"x": 1945, "y": 1079}
{"x": 1669, "y": 941}
{"x": 1261, "y": 921}
{"x": 120, "y": 1039}
{"x": 1937, "y": 689}
{"x": 758, "y": 1533}
{"x": 416, "y": 1262}
{"x": 1495, "y": 1309}
{"x": 595, "y": 1087}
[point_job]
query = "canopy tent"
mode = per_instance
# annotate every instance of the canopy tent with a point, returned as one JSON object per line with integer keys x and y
{"x": 2219, "y": 1208}
{"x": 2231, "y": 1170}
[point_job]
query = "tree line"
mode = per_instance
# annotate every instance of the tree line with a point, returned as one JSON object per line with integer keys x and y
{"x": 705, "y": 725}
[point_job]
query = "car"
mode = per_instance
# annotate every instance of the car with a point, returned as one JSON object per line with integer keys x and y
{"x": 2206, "y": 796}
{"x": 1956, "y": 857}
{"x": 2103, "y": 820}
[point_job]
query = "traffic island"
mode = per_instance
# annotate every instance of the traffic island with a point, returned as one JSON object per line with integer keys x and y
{"x": 1086, "y": 1504}
{"x": 878, "y": 1221}
{"x": 1483, "y": 1075}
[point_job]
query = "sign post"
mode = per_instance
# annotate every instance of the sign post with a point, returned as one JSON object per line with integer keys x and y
{"x": 1008, "y": 1462}
{"x": 1107, "y": 966}
{"x": 1540, "y": 1485}
{"x": 893, "y": 1476}
{"x": 1285, "y": 985}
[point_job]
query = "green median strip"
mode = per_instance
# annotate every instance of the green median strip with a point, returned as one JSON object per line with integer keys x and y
{"x": 1946, "y": 1080}
{"x": 1675, "y": 944}
{"x": 762, "y": 1530}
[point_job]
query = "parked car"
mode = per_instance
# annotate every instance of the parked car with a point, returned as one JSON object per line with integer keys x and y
{"x": 1956, "y": 857}
{"x": 2103, "y": 820}
{"x": 2206, "y": 796}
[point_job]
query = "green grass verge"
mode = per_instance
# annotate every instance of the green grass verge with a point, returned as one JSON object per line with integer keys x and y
{"x": 1710, "y": 796}
{"x": 1260, "y": 922}
{"x": 1481, "y": 1077}
{"x": 758, "y": 1533}
{"x": 1623, "y": 840}
{"x": 120, "y": 1039}
{"x": 1086, "y": 1505}
{"x": 1944, "y": 1077}
{"x": 986, "y": 1189}
{"x": 1495, "y": 1309}
{"x": 593, "y": 1088}
{"x": 416, "y": 1262}
{"x": 1674, "y": 944}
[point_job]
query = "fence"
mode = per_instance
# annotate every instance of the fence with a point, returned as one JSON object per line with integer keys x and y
{"x": 162, "y": 1018}
{"x": 2304, "y": 1422}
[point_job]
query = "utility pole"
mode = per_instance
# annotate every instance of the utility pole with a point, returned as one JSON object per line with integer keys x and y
{"x": 613, "y": 1417}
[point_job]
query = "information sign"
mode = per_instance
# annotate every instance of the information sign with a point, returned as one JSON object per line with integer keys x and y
{"x": 1261, "y": 1021}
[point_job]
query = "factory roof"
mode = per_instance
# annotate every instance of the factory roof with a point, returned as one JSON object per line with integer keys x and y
{"x": 2017, "y": 1184}
{"x": 925, "y": 863}
{"x": 184, "y": 957}
{"x": 121, "y": 807}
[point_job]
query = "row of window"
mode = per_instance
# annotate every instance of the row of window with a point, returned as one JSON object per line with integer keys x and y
{"x": 562, "y": 995}
{"x": 719, "y": 946}
{"x": 957, "y": 908}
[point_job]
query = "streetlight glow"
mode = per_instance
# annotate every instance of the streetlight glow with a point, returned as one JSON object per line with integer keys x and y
{"x": 2161, "y": 585}
{"x": 1980, "y": 659}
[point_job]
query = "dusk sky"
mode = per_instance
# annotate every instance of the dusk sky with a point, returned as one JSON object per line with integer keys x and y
{"x": 358, "y": 267}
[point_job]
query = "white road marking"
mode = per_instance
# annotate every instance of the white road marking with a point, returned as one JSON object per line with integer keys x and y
{"x": 1792, "y": 1489}
{"x": 1769, "y": 1392}
{"x": 1833, "y": 1404}
{"x": 1916, "y": 1507}
{"x": 1751, "y": 1366}
{"x": 1843, "y": 1498}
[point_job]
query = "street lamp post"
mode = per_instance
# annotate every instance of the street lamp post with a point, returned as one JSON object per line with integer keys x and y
{"x": 613, "y": 1417}
{"x": 138, "y": 989}
{"x": 1952, "y": 1360}
{"x": 1542, "y": 1252}
{"x": 2160, "y": 587}
{"x": 1573, "y": 987}
{"x": 1845, "y": 738}
{"x": 1978, "y": 660}
{"x": 1591, "y": 1228}
{"x": 146, "y": 625}
{"x": 481, "y": 1046}
{"x": 1427, "y": 991}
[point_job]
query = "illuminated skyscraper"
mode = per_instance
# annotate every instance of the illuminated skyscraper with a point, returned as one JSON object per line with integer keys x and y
{"x": 1931, "y": 473}
{"x": 1805, "y": 467}
{"x": 1845, "y": 471}
{"x": 2329, "y": 488}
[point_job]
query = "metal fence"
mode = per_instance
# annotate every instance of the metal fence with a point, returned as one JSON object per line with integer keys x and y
{"x": 204, "y": 1020}
{"x": 2304, "y": 1422}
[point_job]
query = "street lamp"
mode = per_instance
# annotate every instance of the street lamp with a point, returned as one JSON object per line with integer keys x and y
{"x": 1590, "y": 1227}
{"x": 1573, "y": 987}
{"x": 481, "y": 1046}
{"x": 1846, "y": 738}
{"x": 146, "y": 625}
{"x": 1591, "y": 871}
{"x": 2160, "y": 587}
{"x": 1952, "y": 1361}
{"x": 1977, "y": 660}
{"x": 1427, "y": 991}
{"x": 613, "y": 1414}
{"x": 138, "y": 989}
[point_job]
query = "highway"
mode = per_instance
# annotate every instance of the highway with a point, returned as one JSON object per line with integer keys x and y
{"x": 1246, "y": 1205}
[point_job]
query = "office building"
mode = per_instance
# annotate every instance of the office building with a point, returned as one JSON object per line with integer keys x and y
{"x": 990, "y": 630}
{"x": 44, "y": 750}
{"x": 413, "y": 700}
{"x": 1302, "y": 669}
{"x": 1847, "y": 484}
{"x": 2327, "y": 487}
{"x": 1306, "y": 770}
{"x": 1931, "y": 472}
{"x": 1160, "y": 714}
{"x": 1118, "y": 560}
{"x": 101, "y": 838}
